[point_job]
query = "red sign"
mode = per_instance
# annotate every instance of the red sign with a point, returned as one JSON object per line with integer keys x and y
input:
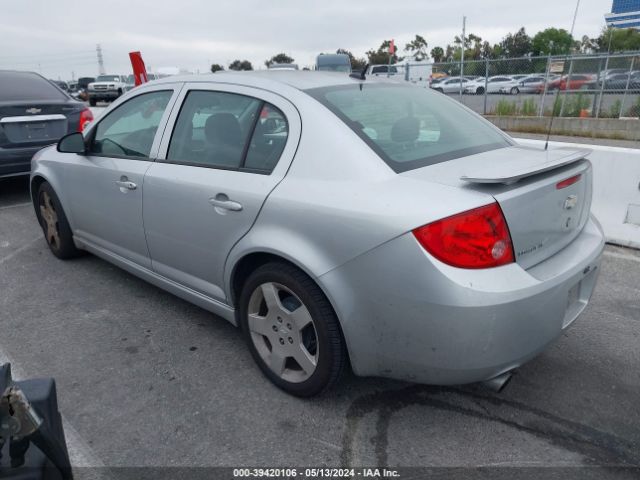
{"x": 392, "y": 47}
{"x": 139, "y": 70}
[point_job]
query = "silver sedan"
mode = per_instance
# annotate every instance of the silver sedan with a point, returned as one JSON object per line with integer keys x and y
{"x": 339, "y": 222}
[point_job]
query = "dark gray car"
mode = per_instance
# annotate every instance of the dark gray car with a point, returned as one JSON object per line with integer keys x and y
{"x": 33, "y": 113}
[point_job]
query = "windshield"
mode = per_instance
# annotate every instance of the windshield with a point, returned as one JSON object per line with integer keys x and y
{"x": 108, "y": 78}
{"x": 409, "y": 127}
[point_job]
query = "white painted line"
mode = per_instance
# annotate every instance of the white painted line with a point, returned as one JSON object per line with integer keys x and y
{"x": 80, "y": 453}
{"x": 20, "y": 250}
{"x": 622, "y": 256}
{"x": 6, "y": 207}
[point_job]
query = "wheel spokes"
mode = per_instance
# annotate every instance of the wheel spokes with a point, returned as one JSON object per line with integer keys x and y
{"x": 259, "y": 325}
{"x": 270, "y": 295}
{"x": 303, "y": 358}
{"x": 50, "y": 217}
{"x": 301, "y": 317}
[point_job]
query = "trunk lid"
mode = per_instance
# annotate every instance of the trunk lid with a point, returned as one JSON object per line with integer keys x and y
{"x": 543, "y": 216}
{"x": 39, "y": 123}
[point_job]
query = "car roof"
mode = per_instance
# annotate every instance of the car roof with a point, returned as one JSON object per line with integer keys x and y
{"x": 270, "y": 79}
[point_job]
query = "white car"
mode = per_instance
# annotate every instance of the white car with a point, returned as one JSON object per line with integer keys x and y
{"x": 106, "y": 88}
{"x": 492, "y": 84}
{"x": 450, "y": 85}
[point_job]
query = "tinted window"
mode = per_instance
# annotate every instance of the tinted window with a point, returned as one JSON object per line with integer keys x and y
{"x": 213, "y": 129}
{"x": 268, "y": 140}
{"x": 409, "y": 127}
{"x": 129, "y": 130}
{"x": 27, "y": 86}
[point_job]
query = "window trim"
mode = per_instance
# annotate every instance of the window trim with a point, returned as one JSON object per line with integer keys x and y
{"x": 245, "y": 151}
{"x": 90, "y": 138}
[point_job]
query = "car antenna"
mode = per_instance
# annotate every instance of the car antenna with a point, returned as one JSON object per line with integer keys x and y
{"x": 568, "y": 84}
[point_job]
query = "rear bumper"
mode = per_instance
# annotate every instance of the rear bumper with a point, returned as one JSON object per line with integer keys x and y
{"x": 16, "y": 161}
{"x": 407, "y": 316}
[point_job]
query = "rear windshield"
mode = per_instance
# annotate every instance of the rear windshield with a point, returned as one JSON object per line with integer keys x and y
{"x": 409, "y": 127}
{"x": 27, "y": 86}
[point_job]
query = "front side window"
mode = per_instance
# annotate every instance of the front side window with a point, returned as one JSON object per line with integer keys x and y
{"x": 409, "y": 127}
{"x": 228, "y": 131}
{"x": 129, "y": 130}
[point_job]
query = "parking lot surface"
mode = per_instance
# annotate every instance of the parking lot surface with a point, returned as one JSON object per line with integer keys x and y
{"x": 146, "y": 379}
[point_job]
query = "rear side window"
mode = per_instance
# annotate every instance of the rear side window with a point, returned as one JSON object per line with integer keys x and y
{"x": 28, "y": 87}
{"x": 409, "y": 127}
{"x": 228, "y": 131}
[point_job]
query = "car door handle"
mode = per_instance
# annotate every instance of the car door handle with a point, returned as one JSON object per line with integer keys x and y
{"x": 126, "y": 184}
{"x": 222, "y": 201}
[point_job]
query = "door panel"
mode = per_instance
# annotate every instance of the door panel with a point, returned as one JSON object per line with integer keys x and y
{"x": 106, "y": 184}
{"x": 195, "y": 213}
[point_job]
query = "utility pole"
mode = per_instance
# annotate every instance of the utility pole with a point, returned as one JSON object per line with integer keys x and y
{"x": 464, "y": 28}
{"x": 575, "y": 15}
{"x": 100, "y": 60}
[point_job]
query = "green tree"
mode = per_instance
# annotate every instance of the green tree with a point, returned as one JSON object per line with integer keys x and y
{"x": 552, "y": 40}
{"x": 240, "y": 65}
{"x": 621, "y": 40}
{"x": 437, "y": 54}
{"x": 216, "y": 67}
{"x": 516, "y": 44}
{"x": 381, "y": 55}
{"x": 279, "y": 58}
{"x": 356, "y": 63}
{"x": 418, "y": 47}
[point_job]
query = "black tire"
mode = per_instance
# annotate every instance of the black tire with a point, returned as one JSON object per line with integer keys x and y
{"x": 62, "y": 245}
{"x": 92, "y": 102}
{"x": 332, "y": 355}
{"x": 515, "y": 91}
{"x": 480, "y": 91}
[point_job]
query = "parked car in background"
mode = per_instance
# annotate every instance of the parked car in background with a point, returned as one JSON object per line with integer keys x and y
{"x": 33, "y": 113}
{"x": 106, "y": 88}
{"x": 451, "y": 85}
{"x": 605, "y": 74}
{"x": 623, "y": 81}
{"x": 130, "y": 82}
{"x": 382, "y": 70}
{"x": 578, "y": 81}
{"x": 523, "y": 84}
{"x": 61, "y": 84}
{"x": 333, "y": 62}
{"x": 83, "y": 84}
{"x": 492, "y": 84}
{"x": 340, "y": 222}
{"x": 73, "y": 86}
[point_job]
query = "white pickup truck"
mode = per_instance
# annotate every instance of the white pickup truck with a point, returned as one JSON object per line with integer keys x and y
{"x": 106, "y": 88}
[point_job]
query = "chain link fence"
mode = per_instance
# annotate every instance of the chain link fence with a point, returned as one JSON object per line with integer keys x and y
{"x": 584, "y": 86}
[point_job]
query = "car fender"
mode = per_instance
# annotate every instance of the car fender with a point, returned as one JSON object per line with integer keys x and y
{"x": 43, "y": 168}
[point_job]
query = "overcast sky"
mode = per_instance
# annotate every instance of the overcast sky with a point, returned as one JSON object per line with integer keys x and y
{"x": 58, "y": 37}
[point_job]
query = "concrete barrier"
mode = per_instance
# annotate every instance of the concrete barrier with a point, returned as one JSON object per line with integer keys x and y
{"x": 616, "y": 189}
{"x": 611, "y": 128}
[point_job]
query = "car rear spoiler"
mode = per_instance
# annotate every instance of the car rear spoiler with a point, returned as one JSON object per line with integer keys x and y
{"x": 524, "y": 164}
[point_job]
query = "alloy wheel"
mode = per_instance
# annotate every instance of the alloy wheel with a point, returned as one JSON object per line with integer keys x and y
{"x": 283, "y": 332}
{"x": 50, "y": 219}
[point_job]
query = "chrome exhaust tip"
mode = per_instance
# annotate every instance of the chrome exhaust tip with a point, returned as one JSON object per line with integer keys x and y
{"x": 497, "y": 384}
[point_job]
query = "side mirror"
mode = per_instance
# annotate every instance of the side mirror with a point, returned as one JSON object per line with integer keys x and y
{"x": 72, "y": 143}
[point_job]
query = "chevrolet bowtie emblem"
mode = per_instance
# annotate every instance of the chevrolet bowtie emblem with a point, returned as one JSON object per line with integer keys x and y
{"x": 33, "y": 110}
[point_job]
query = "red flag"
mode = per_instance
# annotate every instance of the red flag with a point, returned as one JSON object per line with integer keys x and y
{"x": 392, "y": 48}
{"x": 139, "y": 70}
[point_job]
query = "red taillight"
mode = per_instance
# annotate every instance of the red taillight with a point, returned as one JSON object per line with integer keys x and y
{"x": 568, "y": 181}
{"x": 85, "y": 117}
{"x": 477, "y": 238}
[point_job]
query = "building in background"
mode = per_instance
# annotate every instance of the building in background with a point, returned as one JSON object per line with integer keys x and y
{"x": 624, "y": 14}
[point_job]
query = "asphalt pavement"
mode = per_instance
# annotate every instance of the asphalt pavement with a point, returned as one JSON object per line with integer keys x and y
{"x": 146, "y": 379}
